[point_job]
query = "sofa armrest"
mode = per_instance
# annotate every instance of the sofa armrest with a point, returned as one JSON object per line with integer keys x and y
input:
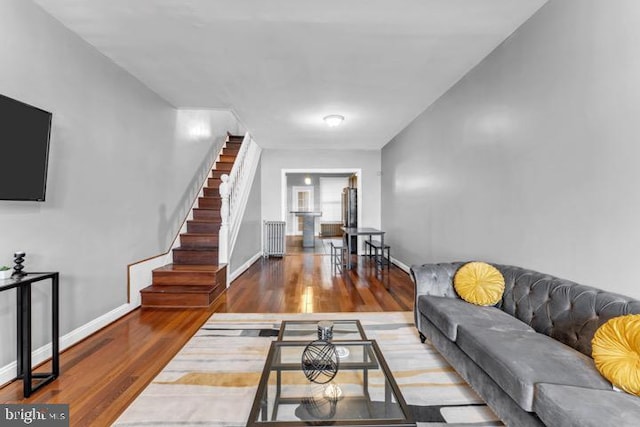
{"x": 433, "y": 279}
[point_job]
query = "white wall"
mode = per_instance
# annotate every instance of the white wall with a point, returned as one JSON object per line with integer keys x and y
{"x": 274, "y": 161}
{"x": 123, "y": 170}
{"x": 532, "y": 158}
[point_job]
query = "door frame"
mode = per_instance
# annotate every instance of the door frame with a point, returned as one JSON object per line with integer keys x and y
{"x": 283, "y": 186}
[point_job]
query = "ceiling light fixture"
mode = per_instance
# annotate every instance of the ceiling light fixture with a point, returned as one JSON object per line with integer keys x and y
{"x": 333, "y": 120}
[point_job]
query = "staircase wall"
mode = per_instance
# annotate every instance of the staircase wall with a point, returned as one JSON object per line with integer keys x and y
{"x": 121, "y": 173}
{"x": 249, "y": 242}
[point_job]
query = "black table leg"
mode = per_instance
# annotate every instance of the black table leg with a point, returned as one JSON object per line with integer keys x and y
{"x": 20, "y": 368}
{"x": 26, "y": 335}
{"x": 55, "y": 326}
{"x": 26, "y": 339}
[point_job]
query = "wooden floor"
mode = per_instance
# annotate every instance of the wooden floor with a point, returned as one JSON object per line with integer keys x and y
{"x": 294, "y": 246}
{"x": 104, "y": 373}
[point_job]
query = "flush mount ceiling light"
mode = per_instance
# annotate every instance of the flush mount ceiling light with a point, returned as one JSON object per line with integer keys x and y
{"x": 333, "y": 120}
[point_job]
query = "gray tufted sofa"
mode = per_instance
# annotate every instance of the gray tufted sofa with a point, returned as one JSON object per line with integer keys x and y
{"x": 528, "y": 357}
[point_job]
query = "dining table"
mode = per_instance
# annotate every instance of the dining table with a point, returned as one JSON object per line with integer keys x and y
{"x": 357, "y": 231}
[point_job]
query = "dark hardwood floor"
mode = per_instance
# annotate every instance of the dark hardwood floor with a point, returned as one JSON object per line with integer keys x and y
{"x": 103, "y": 374}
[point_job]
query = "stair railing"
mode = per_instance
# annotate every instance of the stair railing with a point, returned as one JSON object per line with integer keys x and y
{"x": 234, "y": 193}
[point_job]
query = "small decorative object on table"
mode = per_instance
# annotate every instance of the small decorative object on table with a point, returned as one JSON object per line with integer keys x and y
{"x": 320, "y": 362}
{"x": 342, "y": 352}
{"x": 5, "y": 272}
{"x": 18, "y": 259}
{"x": 325, "y": 330}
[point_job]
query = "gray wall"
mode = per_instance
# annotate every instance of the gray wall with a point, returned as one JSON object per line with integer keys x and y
{"x": 124, "y": 167}
{"x": 250, "y": 233}
{"x": 532, "y": 158}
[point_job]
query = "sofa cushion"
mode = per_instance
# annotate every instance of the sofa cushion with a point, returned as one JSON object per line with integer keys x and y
{"x": 448, "y": 313}
{"x": 616, "y": 352}
{"x": 479, "y": 283}
{"x": 569, "y": 406}
{"x": 518, "y": 360}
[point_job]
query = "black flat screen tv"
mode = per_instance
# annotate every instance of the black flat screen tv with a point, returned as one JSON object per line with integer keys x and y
{"x": 24, "y": 150}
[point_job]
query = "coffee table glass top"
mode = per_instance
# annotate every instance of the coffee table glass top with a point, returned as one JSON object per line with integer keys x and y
{"x": 300, "y": 330}
{"x": 362, "y": 392}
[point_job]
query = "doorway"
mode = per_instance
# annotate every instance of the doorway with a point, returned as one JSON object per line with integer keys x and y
{"x": 301, "y": 200}
{"x": 301, "y": 186}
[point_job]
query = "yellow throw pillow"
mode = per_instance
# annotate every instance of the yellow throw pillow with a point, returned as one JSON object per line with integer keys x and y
{"x": 479, "y": 283}
{"x": 616, "y": 352}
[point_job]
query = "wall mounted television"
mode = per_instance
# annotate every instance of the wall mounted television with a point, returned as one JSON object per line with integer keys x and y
{"x": 24, "y": 150}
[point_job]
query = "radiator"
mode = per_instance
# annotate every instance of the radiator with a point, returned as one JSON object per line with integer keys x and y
{"x": 330, "y": 229}
{"x": 274, "y": 238}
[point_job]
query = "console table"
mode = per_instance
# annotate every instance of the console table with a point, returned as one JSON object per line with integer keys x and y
{"x": 22, "y": 286}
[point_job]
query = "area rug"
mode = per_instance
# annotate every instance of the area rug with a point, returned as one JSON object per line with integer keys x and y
{"x": 212, "y": 381}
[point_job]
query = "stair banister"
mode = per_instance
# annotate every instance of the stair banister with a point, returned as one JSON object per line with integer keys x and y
{"x": 234, "y": 193}
{"x": 223, "y": 236}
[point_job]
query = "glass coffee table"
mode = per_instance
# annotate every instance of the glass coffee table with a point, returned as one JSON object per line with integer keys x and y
{"x": 363, "y": 391}
{"x": 301, "y": 330}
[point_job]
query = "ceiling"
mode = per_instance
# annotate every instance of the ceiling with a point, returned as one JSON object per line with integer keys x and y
{"x": 282, "y": 65}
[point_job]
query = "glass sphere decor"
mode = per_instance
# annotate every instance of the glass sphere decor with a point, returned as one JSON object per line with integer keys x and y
{"x": 320, "y": 362}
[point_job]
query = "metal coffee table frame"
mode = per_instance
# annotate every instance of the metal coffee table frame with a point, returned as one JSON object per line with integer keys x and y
{"x": 286, "y": 324}
{"x": 375, "y": 360}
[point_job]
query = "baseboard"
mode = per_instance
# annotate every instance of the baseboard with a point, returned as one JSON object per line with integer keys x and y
{"x": 8, "y": 372}
{"x": 401, "y": 264}
{"x": 244, "y": 267}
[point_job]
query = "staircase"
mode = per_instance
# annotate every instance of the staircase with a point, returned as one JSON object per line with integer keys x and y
{"x": 195, "y": 279}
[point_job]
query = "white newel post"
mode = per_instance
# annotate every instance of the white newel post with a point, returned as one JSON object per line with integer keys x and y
{"x": 223, "y": 238}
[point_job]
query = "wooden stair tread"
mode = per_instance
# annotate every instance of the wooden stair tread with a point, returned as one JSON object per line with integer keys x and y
{"x": 196, "y": 248}
{"x": 209, "y": 202}
{"x": 179, "y": 289}
{"x": 207, "y": 268}
{"x": 195, "y": 274}
{"x": 206, "y": 214}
